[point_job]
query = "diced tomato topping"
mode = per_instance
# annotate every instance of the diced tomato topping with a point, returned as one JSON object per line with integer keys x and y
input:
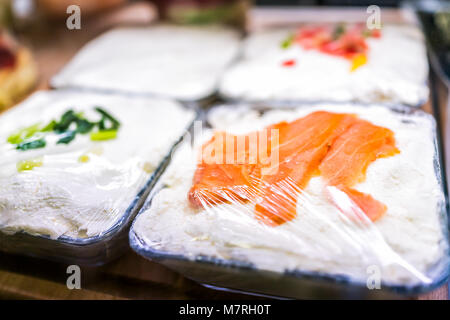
{"x": 342, "y": 41}
{"x": 289, "y": 63}
{"x": 347, "y": 46}
{"x": 376, "y": 33}
{"x": 313, "y": 37}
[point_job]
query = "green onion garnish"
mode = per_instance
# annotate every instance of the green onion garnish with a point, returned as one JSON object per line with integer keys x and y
{"x": 66, "y": 120}
{"x": 114, "y": 123}
{"x": 23, "y": 134}
{"x": 339, "y": 31}
{"x": 286, "y": 43}
{"x": 70, "y": 124}
{"x": 103, "y": 135}
{"x": 67, "y": 137}
{"x": 49, "y": 126}
{"x": 84, "y": 126}
{"x": 29, "y": 145}
{"x": 29, "y": 164}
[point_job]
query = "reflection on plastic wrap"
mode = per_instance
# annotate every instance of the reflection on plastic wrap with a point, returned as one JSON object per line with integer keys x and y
{"x": 350, "y": 190}
{"x": 371, "y": 239}
{"x": 338, "y": 147}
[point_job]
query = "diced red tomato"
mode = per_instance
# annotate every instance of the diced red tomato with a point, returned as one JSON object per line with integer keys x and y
{"x": 376, "y": 33}
{"x": 313, "y": 37}
{"x": 346, "y": 42}
{"x": 289, "y": 63}
{"x": 348, "y": 46}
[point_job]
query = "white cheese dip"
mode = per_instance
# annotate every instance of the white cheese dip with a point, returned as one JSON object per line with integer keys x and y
{"x": 172, "y": 61}
{"x": 404, "y": 243}
{"x": 83, "y": 188}
{"x": 396, "y": 70}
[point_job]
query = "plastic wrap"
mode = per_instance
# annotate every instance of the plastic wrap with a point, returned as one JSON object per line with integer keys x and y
{"x": 334, "y": 62}
{"x": 172, "y": 61}
{"x": 76, "y": 167}
{"x": 350, "y": 203}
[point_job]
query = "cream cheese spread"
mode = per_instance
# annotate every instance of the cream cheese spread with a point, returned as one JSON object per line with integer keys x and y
{"x": 83, "y": 188}
{"x": 396, "y": 70}
{"x": 404, "y": 244}
{"x": 171, "y": 61}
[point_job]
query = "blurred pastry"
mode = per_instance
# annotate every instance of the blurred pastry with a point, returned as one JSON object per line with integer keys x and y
{"x": 18, "y": 71}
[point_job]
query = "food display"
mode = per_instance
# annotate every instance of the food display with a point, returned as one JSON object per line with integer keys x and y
{"x": 178, "y": 62}
{"x": 18, "y": 71}
{"x": 331, "y": 62}
{"x": 73, "y": 162}
{"x": 334, "y": 190}
{"x": 298, "y": 158}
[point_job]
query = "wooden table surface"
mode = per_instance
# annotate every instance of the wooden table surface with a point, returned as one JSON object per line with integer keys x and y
{"x": 131, "y": 276}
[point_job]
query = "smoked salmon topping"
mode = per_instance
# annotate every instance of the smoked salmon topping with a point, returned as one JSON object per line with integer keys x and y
{"x": 339, "y": 147}
{"x": 347, "y": 160}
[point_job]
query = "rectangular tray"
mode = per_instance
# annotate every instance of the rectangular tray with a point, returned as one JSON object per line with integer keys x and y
{"x": 91, "y": 251}
{"x": 287, "y": 101}
{"x": 94, "y": 44}
{"x": 245, "y": 277}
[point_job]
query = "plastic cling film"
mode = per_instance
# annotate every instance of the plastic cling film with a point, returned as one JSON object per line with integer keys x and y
{"x": 165, "y": 60}
{"x": 331, "y": 62}
{"x": 72, "y": 163}
{"x": 352, "y": 190}
{"x": 338, "y": 146}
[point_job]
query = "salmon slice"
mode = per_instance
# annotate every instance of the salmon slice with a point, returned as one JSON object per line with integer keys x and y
{"x": 348, "y": 158}
{"x": 225, "y": 174}
{"x": 338, "y": 146}
{"x": 220, "y": 178}
{"x": 223, "y": 183}
{"x": 303, "y": 145}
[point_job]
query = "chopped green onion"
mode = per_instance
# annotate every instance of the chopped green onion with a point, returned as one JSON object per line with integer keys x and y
{"x": 80, "y": 115}
{"x": 115, "y": 124}
{"x": 286, "y": 43}
{"x": 49, "y": 126}
{"x": 28, "y": 145}
{"x": 66, "y": 120}
{"x": 67, "y": 137}
{"x": 104, "y": 135}
{"x": 366, "y": 33}
{"x": 26, "y": 139}
{"x": 28, "y": 164}
{"x": 23, "y": 134}
{"x": 84, "y": 126}
{"x": 339, "y": 31}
